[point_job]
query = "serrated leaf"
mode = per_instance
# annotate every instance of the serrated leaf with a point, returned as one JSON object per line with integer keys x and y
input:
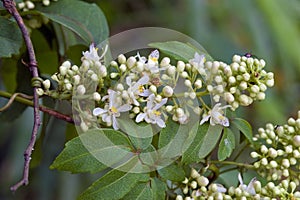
{"x": 84, "y": 19}
{"x": 113, "y": 185}
{"x": 141, "y": 191}
{"x": 191, "y": 154}
{"x": 10, "y": 37}
{"x": 158, "y": 188}
{"x": 84, "y": 153}
{"x": 210, "y": 140}
{"x": 172, "y": 172}
{"x": 227, "y": 144}
{"x": 244, "y": 127}
{"x": 139, "y": 135}
{"x": 179, "y": 50}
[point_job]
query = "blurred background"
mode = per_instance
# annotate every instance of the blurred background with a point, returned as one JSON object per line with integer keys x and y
{"x": 269, "y": 29}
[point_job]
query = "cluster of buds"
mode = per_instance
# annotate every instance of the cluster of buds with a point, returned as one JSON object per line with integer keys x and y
{"x": 240, "y": 83}
{"x": 71, "y": 78}
{"x": 199, "y": 187}
{"x": 279, "y": 156}
{"x": 29, "y": 5}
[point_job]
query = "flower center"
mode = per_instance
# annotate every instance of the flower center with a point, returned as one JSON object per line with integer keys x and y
{"x": 113, "y": 109}
{"x": 156, "y": 112}
{"x": 141, "y": 89}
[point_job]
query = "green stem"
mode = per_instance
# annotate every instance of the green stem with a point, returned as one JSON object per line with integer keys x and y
{"x": 41, "y": 108}
{"x": 232, "y": 163}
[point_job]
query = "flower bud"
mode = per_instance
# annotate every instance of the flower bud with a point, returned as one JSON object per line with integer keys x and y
{"x": 202, "y": 181}
{"x": 180, "y": 66}
{"x": 165, "y": 62}
{"x": 131, "y": 62}
{"x": 270, "y": 83}
{"x": 46, "y": 84}
{"x": 75, "y": 68}
{"x": 136, "y": 110}
{"x": 272, "y": 153}
{"x": 153, "y": 88}
{"x": 285, "y": 163}
{"x": 121, "y": 59}
{"x": 114, "y": 63}
{"x": 228, "y": 97}
{"x": 94, "y": 78}
{"x": 254, "y": 154}
{"x": 184, "y": 74}
{"x": 113, "y": 75}
{"x": 236, "y": 58}
{"x": 29, "y": 5}
{"x": 194, "y": 184}
{"x": 179, "y": 112}
{"x": 198, "y": 83}
{"x": 81, "y": 90}
{"x": 171, "y": 70}
{"x": 296, "y": 140}
{"x": 83, "y": 126}
{"x": 243, "y": 85}
{"x": 167, "y": 91}
{"x": 179, "y": 197}
{"x": 261, "y": 96}
{"x": 273, "y": 164}
{"x": 122, "y": 67}
{"x": 96, "y": 96}
{"x": 192, "y": 95}
{"x": 69, "y": 86}
{"x": 40, "y": 91}
{"x": 63, "y": 70}
{"x": 158, "y": 98}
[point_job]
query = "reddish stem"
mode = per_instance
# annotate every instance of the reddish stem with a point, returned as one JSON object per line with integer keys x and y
{"x": 11, "y": 8}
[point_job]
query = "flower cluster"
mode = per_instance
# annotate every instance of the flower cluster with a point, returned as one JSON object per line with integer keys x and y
{"x": 199, "y": 187}
{"x": 29, "y": 5}
{"x": 71, "y": 77}
{"x": 240, "y": 83}
{"x": 153, "y": 89}
{"x": 278, "y": 153}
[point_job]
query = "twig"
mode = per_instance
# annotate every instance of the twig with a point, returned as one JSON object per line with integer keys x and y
{"x": 10, "y": 6}
{"x": 12, "y": 98}
{"x": 25, "y": 100}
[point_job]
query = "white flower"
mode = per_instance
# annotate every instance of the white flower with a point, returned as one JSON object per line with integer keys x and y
{"x": 247, "y": 188}
{"x": 112, "y": 110}
{"x": 198, "y": 63}
{"x": 152, "y": 114}
{"x": 216, "y": 116}
{"x": 137, "y": 89}
{"x": 92, "y": 54}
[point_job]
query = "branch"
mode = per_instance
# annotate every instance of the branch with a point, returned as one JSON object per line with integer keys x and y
{"x": 19, "y": 97}
{"x": 10, "y": 6}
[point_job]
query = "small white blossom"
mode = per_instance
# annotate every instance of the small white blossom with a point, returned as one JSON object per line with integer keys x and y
{"x": 247, "y": 188}
{"x": 216, "y": 116}
{"x": 137, "y": 89}
{"x": 112, "y": 110}
{"x": 152, "y": 114}
{"x": 198, "y": 63}
{"x": 92, "y": 54}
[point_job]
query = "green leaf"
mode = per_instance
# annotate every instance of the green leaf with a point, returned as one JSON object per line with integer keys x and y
{"x": 158, "y": 188}
{"x": 10, "y": 37}
{"x": 168, "y": 133}
{"x": 227, "y": 144}
{"x": 179, "y": 50}
{"x": 172, "y": 172}
{"x": 84, "y": 19}
{"x": 139, "y": 135}
{"x": 113, "y": 185}
{"x": 191, "y": 154}
{"x": 141, "y": 191}
{"x": 84, "y": 153}
{"x": 210, "y": 139}
{"x": 23, "y": 79}
{"x": 244, "y": 127}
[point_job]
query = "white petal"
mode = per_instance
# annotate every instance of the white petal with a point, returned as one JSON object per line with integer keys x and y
{"x": 240, "y": 179}
{"x": 124, "y": 108}
{"x": 98, "y": 111}
{"x": 160, "y": 123}
{"x": 145, "y": 93}
{"x": 160, "y": 104}
{"x": 204, "y": 119}
{"x": 128, "y": 80}
{"x": 144, "y": 80}
{"x": 140, "y": 117}
{"x": 115, "y": 123}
